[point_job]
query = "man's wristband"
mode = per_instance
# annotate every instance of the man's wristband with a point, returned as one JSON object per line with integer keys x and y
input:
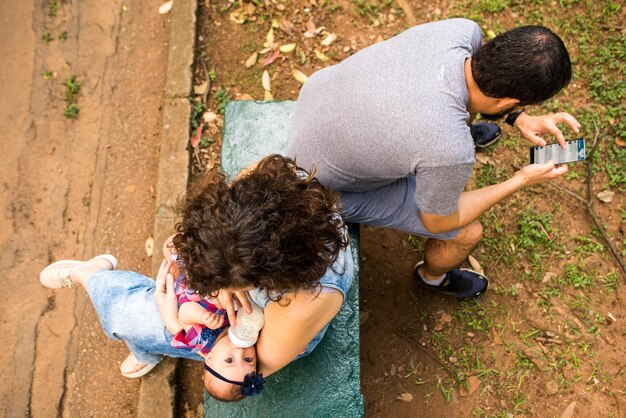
{"x": 512, "y": 117}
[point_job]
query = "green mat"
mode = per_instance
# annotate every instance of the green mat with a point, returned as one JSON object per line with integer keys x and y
{"x": 327, "y": 382}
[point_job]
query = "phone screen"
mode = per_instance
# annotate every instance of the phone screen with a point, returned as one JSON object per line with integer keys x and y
{"x": 575, "y": 150}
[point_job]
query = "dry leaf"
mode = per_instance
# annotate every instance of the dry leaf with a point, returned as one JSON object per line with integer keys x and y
{"x": 569, "y": 411}
{"x": 484, "y": 159}
{"x": 270, "y": 58}
{"x": 265, "y": 81}
{"x": 268, "y": 95}
{"x": 266, "y": 50}
{"x": 287, "y": 48}
{"x": 606, "y": 196}
{"x": 269, "y": 38}
{"x": 491, "y": 34}
{"x": 547, "y": 277}
{"x": 473, "y": 383}
{"x": 405, "y": 397}
{"x": 245, "y": 96}
{"x": 443, "y": 319}
{"x": 252, "y": 60}
{"x": 166, "y": 7}
{"x": 310, "y": 28}
{"x": 299, "y": 75}
{"x": 195, "y": 140}
{"x": 209, "y": 117}
{"x": 329, "y": 39}
{"x": 620, "y": 142}
{"x": 287, "y": 27}
{"x": 275, "y": 23}
{"x": 320, "y": 55}
{"x": 475, "y": 264}
{"x": 201, "y": 89}
{"x": 149, "y": 246}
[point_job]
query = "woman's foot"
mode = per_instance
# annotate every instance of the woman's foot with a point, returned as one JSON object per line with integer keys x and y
{"x": 133, "y": 368}
{"x": 59, "y": 274}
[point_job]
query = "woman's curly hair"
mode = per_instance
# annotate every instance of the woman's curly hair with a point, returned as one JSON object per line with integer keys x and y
{"x": 275, "y": 228}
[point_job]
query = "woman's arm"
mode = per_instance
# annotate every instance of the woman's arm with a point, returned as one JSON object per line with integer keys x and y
{"x": 166, "y": 298}
{"x": 288, "y": 330}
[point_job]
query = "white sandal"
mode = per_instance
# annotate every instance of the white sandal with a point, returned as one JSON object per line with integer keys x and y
{"x": 59, "y": 274}
{"x": 133, "y": 368}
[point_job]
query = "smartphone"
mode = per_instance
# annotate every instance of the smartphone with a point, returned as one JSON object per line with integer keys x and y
{"x": 575, "y": 150}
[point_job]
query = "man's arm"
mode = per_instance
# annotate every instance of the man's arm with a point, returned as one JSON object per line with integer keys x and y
{"x": 474, "y": 203}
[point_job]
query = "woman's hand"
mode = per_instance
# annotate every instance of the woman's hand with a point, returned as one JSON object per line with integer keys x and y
{"x": 166, "y": 297}
{"x": 532, "y": 126}
{"x": 226, "y": 298}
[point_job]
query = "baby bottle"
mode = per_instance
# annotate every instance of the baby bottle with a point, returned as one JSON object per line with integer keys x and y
{"x": 246, "y": 332}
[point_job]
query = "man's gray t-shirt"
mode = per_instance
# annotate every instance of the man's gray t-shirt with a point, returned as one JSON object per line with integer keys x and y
{"x": 393, "y": 110}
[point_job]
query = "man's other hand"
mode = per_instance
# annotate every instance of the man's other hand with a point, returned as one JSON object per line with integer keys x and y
{"x": 540, "y": 173}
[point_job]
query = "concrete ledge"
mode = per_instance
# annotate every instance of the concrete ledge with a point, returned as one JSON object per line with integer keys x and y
{"x": 157, "y": 392}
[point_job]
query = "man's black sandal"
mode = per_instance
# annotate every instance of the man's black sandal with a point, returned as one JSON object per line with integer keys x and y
{"x": 461, "y": 283}
{"x": 484, "y": 134}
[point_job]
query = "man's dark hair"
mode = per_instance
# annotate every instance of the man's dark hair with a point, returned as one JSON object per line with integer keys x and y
{"x": 275, "y": 228}
{"x": 529, "y": 63}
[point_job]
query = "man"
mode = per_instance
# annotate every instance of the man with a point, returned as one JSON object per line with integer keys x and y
{"x": 388, "y": 127}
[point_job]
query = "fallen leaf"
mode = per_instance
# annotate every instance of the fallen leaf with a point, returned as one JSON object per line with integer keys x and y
{"x": 475, "y": 264}
{"x": 266, "y": 50}
{"x": 405, "y": 397}
{"x": 620, "y": 142}
{"x": 265, "y": 81}
{"x": 547, "y": 277}
{"x": 245, "y": 96}
{"x": 329, "y": 39}
{"x": 569, "y": 411}
{"x": 251, "y": 60}
{"x": 268, "y": 95}
{"x": 606, "y": 196}
{"x": 166, "y": 7}
{"x": 149, "y": 246}
{"x": 287, "y": 48}
{"x": 201, "y": 89}
{"x": 310, "y": 27}
{"x": 484, "y": 159}
{"x": 275, "y": 23}
{"x": 269, "y": 38}
{"x": 473, "y": 383}
{"x": 287, "y": 27}
{"x": 270, "y": 58}
{"x": 491, "y": 34}
{"x": 443, "y": 319}
{"x": 195, "y": 140}
{"x": 320, "y": 55}
{"x": 299, "y": 76}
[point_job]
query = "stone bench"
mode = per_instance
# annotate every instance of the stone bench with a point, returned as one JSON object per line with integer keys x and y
{"x": 327, "y": 382}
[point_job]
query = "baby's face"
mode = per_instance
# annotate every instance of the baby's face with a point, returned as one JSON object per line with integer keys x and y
{"x": 231, "y": 361}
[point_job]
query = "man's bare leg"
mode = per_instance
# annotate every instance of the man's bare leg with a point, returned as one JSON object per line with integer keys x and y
{"x": 443, "y": 256}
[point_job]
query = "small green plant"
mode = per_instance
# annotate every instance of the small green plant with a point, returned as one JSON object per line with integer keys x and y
{"x": 577, "y": 277}
{"x": 63, "y": 36}
{"x": 71, "y": 111}
{"x": 47, "y": 37}
{"x": 446, "y": 392}
{"x": 197, "y": 110}
{"x": 48, "y": 74}
{"x": 53, "y": 7}
{"x": 212, "y": 75}
{"x": 72, "y": 90}
{"x": 221, "y": 98}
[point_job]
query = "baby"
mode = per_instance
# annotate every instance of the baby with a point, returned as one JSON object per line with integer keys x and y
{"x": 201, "y": 325}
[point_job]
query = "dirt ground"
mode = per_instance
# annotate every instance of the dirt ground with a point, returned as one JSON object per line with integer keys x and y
{"x": 72, "y": 189}
{"x": 546, "y": 340}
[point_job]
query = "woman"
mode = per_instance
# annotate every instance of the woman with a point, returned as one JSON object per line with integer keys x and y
{"x": 274, "y": 234}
